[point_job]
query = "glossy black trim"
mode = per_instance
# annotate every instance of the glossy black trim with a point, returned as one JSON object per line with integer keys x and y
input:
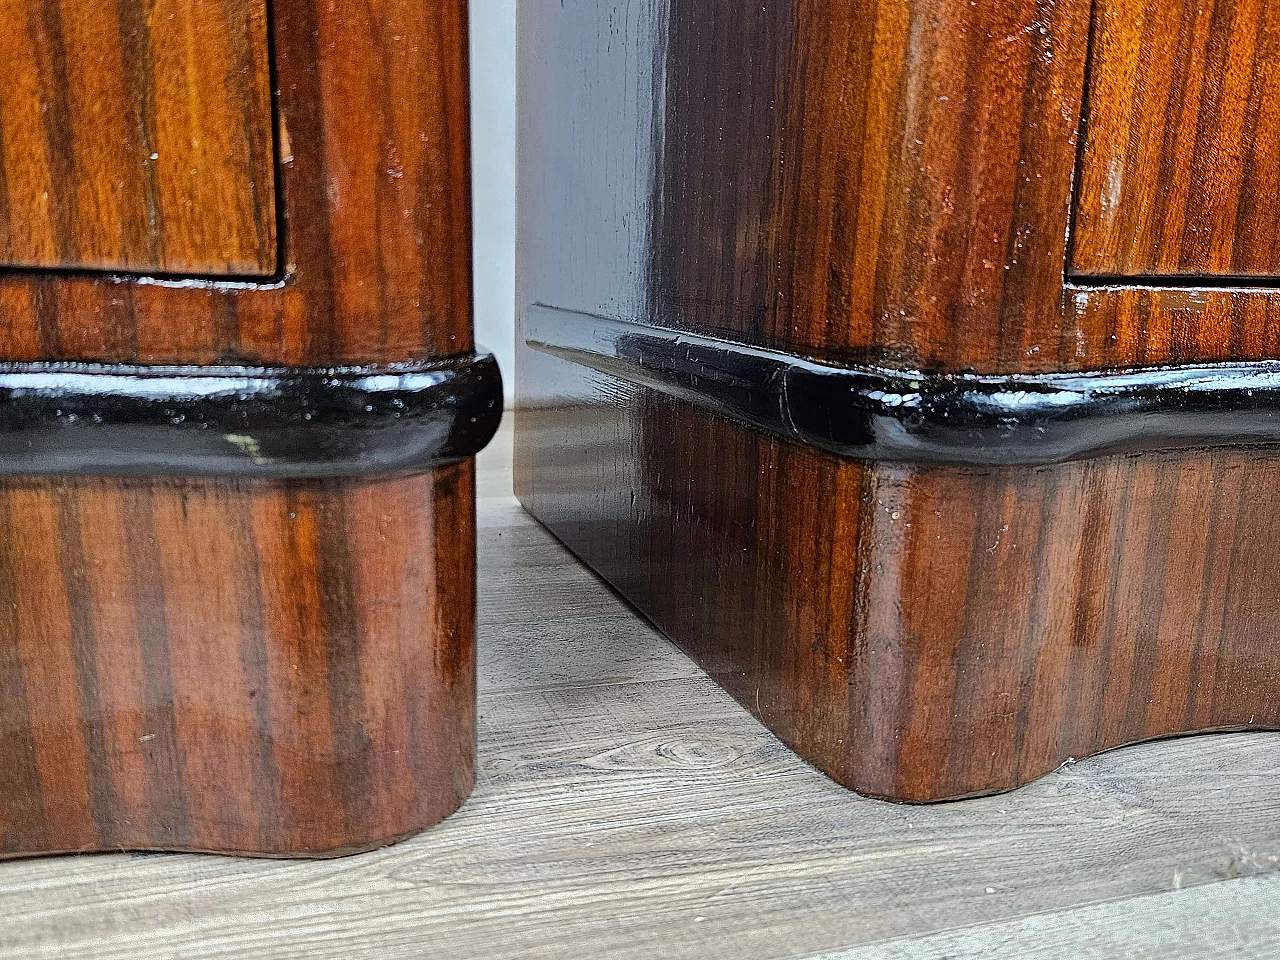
{"x": 871, "y": 413}
{"x": 307, "y": 423}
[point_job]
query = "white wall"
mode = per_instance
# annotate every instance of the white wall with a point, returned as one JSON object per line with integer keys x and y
{"x": 493, "y": 129}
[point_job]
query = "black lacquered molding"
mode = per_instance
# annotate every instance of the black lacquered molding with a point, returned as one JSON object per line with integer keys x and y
{"x": 871, "y": 413}
{"x": 115, "y": 420}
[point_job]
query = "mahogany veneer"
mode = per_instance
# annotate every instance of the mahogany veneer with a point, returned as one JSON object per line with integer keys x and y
{"x": 137, "y": 136}
{"x": 926, "y": 591}
{"x": 238, "y": 590}
{"x": 1180, "y": 174}
{"x": 224, "y": 666}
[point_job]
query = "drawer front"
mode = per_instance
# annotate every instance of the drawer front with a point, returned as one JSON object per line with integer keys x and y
{"x": 270, "y": 182}
{"x": 137, "y": 136}
{"x": 1181, "y": 165}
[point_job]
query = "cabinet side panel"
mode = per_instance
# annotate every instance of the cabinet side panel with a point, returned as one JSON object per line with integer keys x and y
{"x": 917, "y": 633}
{"x": 873, "y": 179}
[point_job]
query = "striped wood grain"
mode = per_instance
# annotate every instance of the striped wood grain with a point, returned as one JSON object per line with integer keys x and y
{"x": 923, "y": 633}
{"x": 375, "y": 182}
{"x": 892, "y": 182}
{"x": 137, "y": 136}
{"x": 262, "y": 668}
{"x": 1181, "y": 161}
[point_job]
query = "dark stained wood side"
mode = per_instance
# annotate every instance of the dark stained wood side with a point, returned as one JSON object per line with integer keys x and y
{"x": 892, "y": 182}
{"x": 1181, "y": 161}
{"x": 924, "y": 634}
{"x": 137, "y": 136}
{"x": 376, "y": 202}
{"x": 272, "y": 669}
{"x": 883, "y": 179}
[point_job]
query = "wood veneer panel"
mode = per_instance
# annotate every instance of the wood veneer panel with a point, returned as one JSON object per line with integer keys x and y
{"x": 924, "y": 633}
{"x": 1180, "y": 171}
{"x": 277, "y": 669}
{"x": 892, "y": 182}
{"x": 869, "y": 179}
{"x": 137, "y": 136}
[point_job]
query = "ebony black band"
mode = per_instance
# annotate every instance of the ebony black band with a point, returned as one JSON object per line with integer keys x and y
{"x": 871, "y": 413}
{"x": 114, "y": 420}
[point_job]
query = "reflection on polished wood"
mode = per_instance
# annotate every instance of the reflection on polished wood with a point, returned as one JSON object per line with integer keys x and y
{"x": 889, "y": 185}
{"x": 893, "y": 181}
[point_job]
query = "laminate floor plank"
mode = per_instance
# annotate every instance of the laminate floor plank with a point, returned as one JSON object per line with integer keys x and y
{"x": 626, "y": 807}
{"x": 1239, "y": 919}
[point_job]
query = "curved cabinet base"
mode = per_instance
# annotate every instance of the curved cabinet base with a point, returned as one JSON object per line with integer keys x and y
{"x": 276, "y": 668}
{"x": 922, "y": 632}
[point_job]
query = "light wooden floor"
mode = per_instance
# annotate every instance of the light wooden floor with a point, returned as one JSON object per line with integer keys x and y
{"x": 627, "y": 808}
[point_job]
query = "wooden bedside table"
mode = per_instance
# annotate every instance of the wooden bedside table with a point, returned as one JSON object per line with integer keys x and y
{"x": 911, "y": 364}
{"x": 238, "y": 404}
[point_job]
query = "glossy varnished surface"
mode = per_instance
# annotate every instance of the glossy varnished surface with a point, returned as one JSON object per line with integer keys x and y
{"x": 241, "y": 422}
{"x": 137, "y": 136}
{"x": 375, "y": 178}
{"x": 893, "y": 182}
{"x": 236, "y": 667}
{"x": 1180, "y": 172}
{"x": 272, "y": 666}
{"x": 923, "y": 633}
{"x": 882, "y": 414}
{"x": 880, "y": 184}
